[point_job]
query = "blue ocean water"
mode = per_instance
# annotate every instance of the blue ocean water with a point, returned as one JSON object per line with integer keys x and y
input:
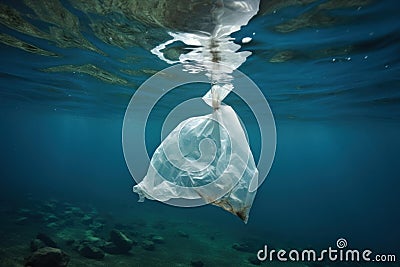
{"x": 330, "y": 71}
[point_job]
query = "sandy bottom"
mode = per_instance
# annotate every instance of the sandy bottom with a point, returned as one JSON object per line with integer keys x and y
{"x": 185, "y": 241}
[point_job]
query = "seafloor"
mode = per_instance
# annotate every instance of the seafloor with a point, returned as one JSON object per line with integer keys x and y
{"x": 89, "y": 237}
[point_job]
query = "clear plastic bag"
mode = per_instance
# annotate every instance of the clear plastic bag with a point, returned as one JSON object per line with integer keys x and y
{"x": 205, "y": 158}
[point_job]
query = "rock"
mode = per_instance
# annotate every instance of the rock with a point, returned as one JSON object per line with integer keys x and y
{"x": 254, "y": 260}
{"x": 93, "y": 239}
{"x": 244, "y": 247}
{"x": 110, "y": 248}
{"x": 121, "y": 241}
{"x": 90, "y": 236}
{"x": 148, "y": 245}
{"x": 46, "y": 240}
{"x": 183, "y": 234}
{"x": 90, "y": 252}
{"x": 47, "y": 257}
{"x": 197, "y": 263}
{"x": 36, "y": 244}
{"x": 52, "y": 225}
{"x": 158, "y": 239}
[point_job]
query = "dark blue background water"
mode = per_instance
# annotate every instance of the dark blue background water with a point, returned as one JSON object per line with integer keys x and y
{"x": 335, "y": 101}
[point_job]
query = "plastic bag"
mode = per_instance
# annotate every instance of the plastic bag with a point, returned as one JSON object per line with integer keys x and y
{"x": 205, "y": 158}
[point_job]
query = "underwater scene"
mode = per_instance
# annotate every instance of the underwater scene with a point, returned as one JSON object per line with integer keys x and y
{"x": 199, "y": 133}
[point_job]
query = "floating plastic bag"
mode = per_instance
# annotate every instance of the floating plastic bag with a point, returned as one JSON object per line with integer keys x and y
{"x": 205, "y": 158}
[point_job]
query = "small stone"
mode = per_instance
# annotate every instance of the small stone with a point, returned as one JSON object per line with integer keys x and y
{"x": 36, "y": 244}
{"x": 90, "y": 236}
{"x": 52, "y": 225}
{"x": 148, "y": 245}
{"x": 46, "y": 240}
{"x": 244, "y": 247}
{"x": 48, "y": 257}
{"x": 197, "y": 263}
{"x": 91, "y": 252}
{"x": 254, "y": 260}
{"x": 158, "y": 239}
{"x": 121, "y": 241}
